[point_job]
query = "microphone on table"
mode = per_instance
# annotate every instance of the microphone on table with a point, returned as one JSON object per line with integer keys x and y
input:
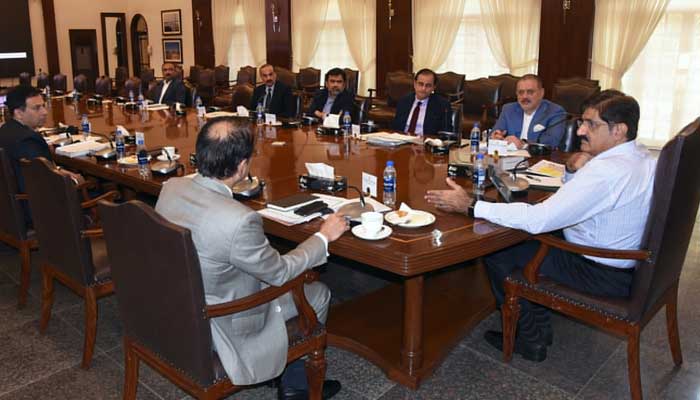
{"x": 354, "y": 210}
{"x": 538, "y": 148}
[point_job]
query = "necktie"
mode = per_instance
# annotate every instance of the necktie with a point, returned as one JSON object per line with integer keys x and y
{"x": 268, "y": 95}
{"x": 414, "y": 118}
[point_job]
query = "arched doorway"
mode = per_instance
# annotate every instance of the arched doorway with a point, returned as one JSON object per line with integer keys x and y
{"x": 139, "y": 44}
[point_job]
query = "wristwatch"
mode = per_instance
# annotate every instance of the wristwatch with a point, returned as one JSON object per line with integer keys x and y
{"x": 470, "y": 209}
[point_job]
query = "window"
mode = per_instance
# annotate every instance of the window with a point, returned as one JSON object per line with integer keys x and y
{"x": 333, "y": 50}
{"x": 239, "y": 54}
{"x": 665, "y": 78}
{"x": 470, "y": 54}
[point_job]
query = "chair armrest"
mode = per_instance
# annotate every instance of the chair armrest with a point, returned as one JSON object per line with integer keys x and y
{"x": 111, "y": 195}
{"x": 264, "y": 296}
{"x": 531, "y": 271}
{"x": 91, "y": 233}
{"x": 21, "y": 196}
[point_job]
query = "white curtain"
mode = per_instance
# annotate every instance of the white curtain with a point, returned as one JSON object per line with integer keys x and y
{"x": 308, "y": 17}
{"x": 254, "y": 17}
{"x": 621, "y": 29}
{"x": 513, "y": 32}
{"x": 435, "y": 26}
{"x": 359, "y": 22}
{"x": 223, "y": 13}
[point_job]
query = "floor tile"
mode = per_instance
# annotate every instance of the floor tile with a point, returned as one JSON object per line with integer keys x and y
{"x": 109, "y": 326}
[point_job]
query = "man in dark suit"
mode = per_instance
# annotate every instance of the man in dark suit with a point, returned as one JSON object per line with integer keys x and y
{"x": 170, "y": 89}
{"x": 333, "y": 99}
{"x": 422, "y": 112}
{"x": 275, "y": 96}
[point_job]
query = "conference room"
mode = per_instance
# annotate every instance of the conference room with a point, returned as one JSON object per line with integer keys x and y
{"x": 356, "y": 199}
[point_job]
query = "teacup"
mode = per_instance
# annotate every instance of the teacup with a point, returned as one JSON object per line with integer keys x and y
{"x": 372, "y": 222}
{"x": 168, "y": 151}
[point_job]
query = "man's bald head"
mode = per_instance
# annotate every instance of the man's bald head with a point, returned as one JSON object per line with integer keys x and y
{"x": 222, "y": 144}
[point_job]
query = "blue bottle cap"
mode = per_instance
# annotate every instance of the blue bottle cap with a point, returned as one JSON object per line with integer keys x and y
{"x": 480, "y": 156}
{"x": 389, "y": 163}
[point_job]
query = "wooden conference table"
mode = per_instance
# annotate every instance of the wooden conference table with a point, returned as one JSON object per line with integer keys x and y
{"x": 405, "y": 328}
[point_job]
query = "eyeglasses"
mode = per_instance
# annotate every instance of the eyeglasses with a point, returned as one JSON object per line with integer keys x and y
{"x": 592, "y": 125}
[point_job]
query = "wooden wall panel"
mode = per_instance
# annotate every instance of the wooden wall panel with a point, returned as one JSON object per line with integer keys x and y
{"x": 395, "y": 44}
{"x": 16, "y": 37}
{"x": 566, "y": 40}
{"x": 50, "y": 36}
{"x": 279, "y": 32}
{"x": 203, "y": 33}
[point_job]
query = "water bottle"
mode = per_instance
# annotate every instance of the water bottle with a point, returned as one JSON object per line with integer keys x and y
{"x": 142, "y": 155}
{"x": 474, "y": 138}
{"x": 119, "y": 144}
{"x": 48, "y": 92}
{"x": 479, "y": 176}
{"x": 131, "y": 96}
{"x": 141, "y": 101}
{"x": 85, "y": 127}
{"x": 389, "y": 184}
{"x": 347, "y": 124}
{"x": 200, "y": 107}
{"x": 260, "y": 114}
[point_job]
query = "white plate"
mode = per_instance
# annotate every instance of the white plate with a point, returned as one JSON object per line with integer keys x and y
{"x": 359, "y": 231}
{"x": 415, "y": 219}
{"x": 276, "y": 123}
{"x": 131, "y": 160}
{"x": 162, "y": 157}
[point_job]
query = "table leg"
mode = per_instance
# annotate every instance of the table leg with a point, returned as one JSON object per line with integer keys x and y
{"x": 412, "y": 343}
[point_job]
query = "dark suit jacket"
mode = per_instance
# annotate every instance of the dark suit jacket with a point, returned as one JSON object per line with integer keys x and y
{"x": 547, "y": 114}
{"x": 435, "y": 114}
{"x": 176, "y": 92}
{"x": 282, "y": 102}
{"x": 343, "y": 102}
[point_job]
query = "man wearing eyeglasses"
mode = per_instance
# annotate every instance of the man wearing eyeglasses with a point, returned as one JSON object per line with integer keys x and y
{"x": 531, "y": 118}
{"x": 604, "y": 203}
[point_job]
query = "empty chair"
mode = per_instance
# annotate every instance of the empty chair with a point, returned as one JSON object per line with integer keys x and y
{"x": 508, "y": 87}
{"x": 450, "y": 85}
{"x": 131, "y": 87}
{"x": 247, "y": 74}
{"x": 121, "y": 74}
{"x": 103, "y": 86}
{"x": 13, "y": 226}
{"x": 25, "y": 79}
{"x": 194, "y": 74}
{"x": 206, "y": 85}
{"x": 352, "y": 80}
{"x": 72, "y": 253}
{"x": 479, "y": 103}
{"x": 80, "y": 83}
{"x": 287, "y": 77}
{"x": 581, "y": 81}
{"x": 309, "y": 80}
{"x": 242, "y": 95}
{"x": 221, "y": 76}
{"x": 668, "y": 230}
{"x": 397, "y": 85}
{"x": 59, "y": 82}
{"x": 147, "y": 76}
{"x": 42, "y": 80}
{"x": 170, "y": 298}
{"x": 572, "y": 95}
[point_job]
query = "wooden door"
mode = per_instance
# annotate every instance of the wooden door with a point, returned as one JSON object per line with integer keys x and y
{"x": 83, "y": 53}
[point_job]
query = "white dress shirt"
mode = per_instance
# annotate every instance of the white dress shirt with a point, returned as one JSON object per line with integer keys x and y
{"x": 605, "y": 204}
{"x": 421, "y": 115}
{"x": 166, "y": 84}
{"x": 527, "y": 119}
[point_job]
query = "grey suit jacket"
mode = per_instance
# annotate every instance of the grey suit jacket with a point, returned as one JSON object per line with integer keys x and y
{"x": 237, "y": 260}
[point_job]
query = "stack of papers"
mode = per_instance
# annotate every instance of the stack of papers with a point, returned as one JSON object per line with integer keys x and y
{"x": 390, "y": 139}
{"x": 81, "y": 149}
{"x": 545, "y": 175}
{"x": 289, "y": 218}
{"x": 547, "y": 168}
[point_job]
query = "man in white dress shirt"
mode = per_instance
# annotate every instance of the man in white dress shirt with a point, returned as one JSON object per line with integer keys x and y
{"x": 604, "y": 203}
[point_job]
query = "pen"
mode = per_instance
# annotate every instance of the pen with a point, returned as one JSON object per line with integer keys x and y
{"x": 533, "y": 178}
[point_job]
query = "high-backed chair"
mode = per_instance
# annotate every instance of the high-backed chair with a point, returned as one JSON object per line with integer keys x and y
{"x": 581, "y": 81}
{"x": 221, "y": 76}
{"x": 352, "y": 80}
{"x": 121, "y": 74}
{"x": 669, "y": 227}
{"x": 397, "y": 85}
{"x": 206, "y": 85}
{"x": 308, "y": 81}
{"x": 147, "y": 77}
{"x": 570, "y": 142}
{"x": 242, "y": 95}
{"x": 59, "y": 82}
{"x": 103, "y": 86}
{"x": 287, "y": 77}
{"x": 169, "y": 297}
{"x": 451, "y": 86}
{"x": 25, "y": 79}
{"x": 13, "y": 226}
{"x": 42, "y": 80}
{"x": 479, "y": 104}
{"x": 133, "y": 85}
{"x": 247, "y": 74}
{"x": 194, "y": 74}
{"x": 571, "y": 96}
{"x": 72, "y": 253}
{"x": 80, "y": 83}
{"x": 508, "y": 87}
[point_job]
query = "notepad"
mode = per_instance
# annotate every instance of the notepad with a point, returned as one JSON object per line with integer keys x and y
{"x": 292, "y": 202}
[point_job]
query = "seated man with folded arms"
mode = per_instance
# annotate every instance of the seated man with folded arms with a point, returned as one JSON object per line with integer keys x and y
{"x": 275, "y": 96}
{"x": 170, "y": 89}
{"x": 422, "y": 112}
{"x": 604, "y": 203}
{"x": 531, "y": 118}
{"x": 237, "y": 260}
{"x": 333, "y": 99}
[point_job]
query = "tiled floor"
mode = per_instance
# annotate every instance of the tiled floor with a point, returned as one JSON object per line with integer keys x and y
{"x": 583, "y": 363}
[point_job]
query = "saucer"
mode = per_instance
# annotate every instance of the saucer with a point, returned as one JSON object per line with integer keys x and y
{"x": 383, "y": 233}
{"x": 414, "y": 219}
{"x": 162, "y": 157}
{"x": 131, "y": 160}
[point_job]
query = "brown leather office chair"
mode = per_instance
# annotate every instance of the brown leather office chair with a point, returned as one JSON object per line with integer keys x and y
{"x": 194, "y": 74}
{"x": 148, "y": 77}
{"x": 247, "y": 74}
{"x": 42, "y": 80}
{"x": 669, "y": 227}
{"x": 206, "y": 85}
{"x": 170, "y": 298}
{"x": 352, "y": 80}
{"x": 131, "y": 85}
{"x": 581, "y": 81}
{"x": 59, "y": 82}
{"x": 242, "y": 95}
{"x": 80, "y": 83}
{"x": 13, "y": 226}
{"x": 121, "y": 74}
{"x": 287, "y": 77}
{"x": 451, "y": 86}
{"x": 480, "y": 103}
{"x": 571, "y": 96}
{"x": 72, "y": 253}
{"x": 103, "y": 86}
{"x": 570, "y": 142}
{"x": 508, "y": 87}
{"x": 25, "y": 79}
{"x": 397, "y": 85}
{"x": 221, "y": 76}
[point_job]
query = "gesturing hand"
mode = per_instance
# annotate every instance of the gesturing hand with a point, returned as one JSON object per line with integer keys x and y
{"x": 454, "y": 199}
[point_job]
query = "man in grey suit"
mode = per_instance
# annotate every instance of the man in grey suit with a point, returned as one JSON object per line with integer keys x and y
{"x": 237, "y": 260}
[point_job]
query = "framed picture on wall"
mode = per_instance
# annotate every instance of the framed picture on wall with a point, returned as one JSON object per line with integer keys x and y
{"x": 172, "y": 51}
{"x": 171, "y": 21}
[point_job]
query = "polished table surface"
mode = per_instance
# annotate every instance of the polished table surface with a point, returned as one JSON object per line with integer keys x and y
{"x": 406, "y": 328}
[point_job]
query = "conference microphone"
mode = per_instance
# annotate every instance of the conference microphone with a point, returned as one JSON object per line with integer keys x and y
{"x": 354, "y": 210}
{"x": 538, "y": 148}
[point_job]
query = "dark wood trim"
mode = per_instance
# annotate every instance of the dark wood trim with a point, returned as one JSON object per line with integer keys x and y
{"x": 395, "y": 45}
{"x": 279, "y": 35}
{"x": 203, "y": 33}
{"x": 50, "y": 36}
{"x": 105, "y": 51}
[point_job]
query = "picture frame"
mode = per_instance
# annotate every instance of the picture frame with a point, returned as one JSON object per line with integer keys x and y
{"x": 172, "y": 51}
{"x": 171, "y": 22}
